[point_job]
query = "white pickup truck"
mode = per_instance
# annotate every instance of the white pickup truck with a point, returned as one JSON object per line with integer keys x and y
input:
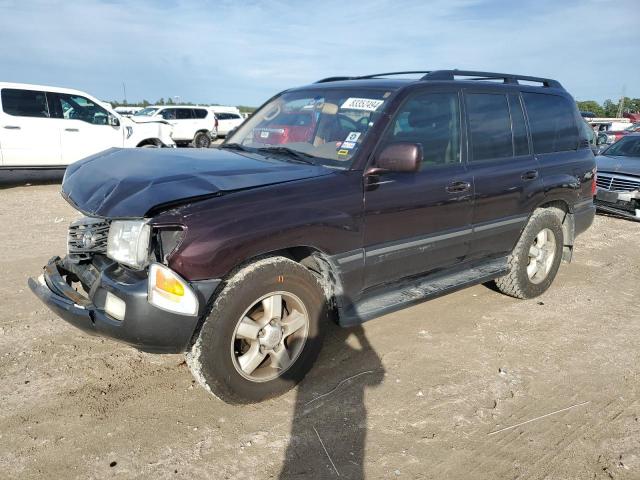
{"x": 50, "y": 127}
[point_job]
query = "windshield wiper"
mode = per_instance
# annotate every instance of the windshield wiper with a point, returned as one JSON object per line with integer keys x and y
{"x": 291, "y": 153}
{"x": 234, "y": 146}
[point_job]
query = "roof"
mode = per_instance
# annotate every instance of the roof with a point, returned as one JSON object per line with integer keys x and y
{"x": 48, "y": 88}
{"x": 176, "y": 106}
{"x": 467, "y": 77}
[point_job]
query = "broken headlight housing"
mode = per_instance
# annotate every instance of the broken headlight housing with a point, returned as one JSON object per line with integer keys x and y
{"x": 128, "y": 242}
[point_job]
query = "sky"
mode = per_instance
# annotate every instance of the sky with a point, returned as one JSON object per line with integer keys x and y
{"x": 242, "y": 52}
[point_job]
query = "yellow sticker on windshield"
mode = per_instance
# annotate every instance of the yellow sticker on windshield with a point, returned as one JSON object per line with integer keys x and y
{"x": 343, "y": 153}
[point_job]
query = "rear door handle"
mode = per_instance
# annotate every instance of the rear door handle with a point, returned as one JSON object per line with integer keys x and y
{"x": 530, "y": 175}
{"x": 12, "y": 127}
{"x": 71, "y": 130}
{"x": 458, "y": 186}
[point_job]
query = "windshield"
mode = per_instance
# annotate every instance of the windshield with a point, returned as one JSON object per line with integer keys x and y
{"x": 326, "y": 125}
{"x": 633, "y": 127}
{"x": 625, "y": 147}
{"x": 146, "y": 112}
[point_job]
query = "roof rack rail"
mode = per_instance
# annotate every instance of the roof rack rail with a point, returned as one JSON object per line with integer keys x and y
{"x": 388, "y": 74}
{"x": 335, "y": 79}
{"x": 375, "y": 75}
{"x": 505, "y": 77}
{"x": 452, "y": 74}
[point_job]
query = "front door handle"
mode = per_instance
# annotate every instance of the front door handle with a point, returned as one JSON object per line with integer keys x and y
{"x": 530, "y": 175}
{"x": 458, "y": 186}
{"x": 12, "y": 127}
{"x": 71, "y": 130}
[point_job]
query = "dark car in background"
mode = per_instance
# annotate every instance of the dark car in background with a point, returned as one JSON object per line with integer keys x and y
{"x": 619, "y": 178}
{"x": 386, "y": 191}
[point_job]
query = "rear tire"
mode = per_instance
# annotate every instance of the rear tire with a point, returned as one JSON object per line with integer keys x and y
{"x": 202, "y": 140}
{"x": 263, "y": 333}
{"x": 535, "y": 260}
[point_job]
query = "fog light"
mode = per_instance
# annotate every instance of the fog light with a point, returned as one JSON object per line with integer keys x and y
{"x": 170, "y": 292}
{"x": 115, "y": 307}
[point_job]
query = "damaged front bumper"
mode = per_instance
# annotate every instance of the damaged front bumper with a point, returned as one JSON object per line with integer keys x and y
{"x": 143, "y": 326}
{"x": 625, "y": 204}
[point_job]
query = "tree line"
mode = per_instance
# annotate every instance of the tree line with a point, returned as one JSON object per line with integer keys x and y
{"x": 609, "y": 108}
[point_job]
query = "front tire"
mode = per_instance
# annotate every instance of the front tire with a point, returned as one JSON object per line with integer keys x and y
{"x": 535, "y": 260}
{"x": 202, "y": 140}
{"x": 263, "y": 333}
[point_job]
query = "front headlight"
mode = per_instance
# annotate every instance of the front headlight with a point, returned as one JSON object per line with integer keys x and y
{"x": 128, "y": 242}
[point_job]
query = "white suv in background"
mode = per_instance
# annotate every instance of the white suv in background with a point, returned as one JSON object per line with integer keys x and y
{"x": 191, "y": 124}
{"x": 50, "y": 127}
{"x": 227, "y": 121}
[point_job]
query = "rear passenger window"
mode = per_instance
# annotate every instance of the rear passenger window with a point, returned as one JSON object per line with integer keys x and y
{"x": 24, "y": 103}
{"x": 552, "y": 122}
{"x": 520, "y": 141}
{"x": 223, "y": 116}
{"x": 199, "y": 113}
{"x": 432, "y": 120}
{"x": 489, "y": 126}
{"x": 183, "y": 114}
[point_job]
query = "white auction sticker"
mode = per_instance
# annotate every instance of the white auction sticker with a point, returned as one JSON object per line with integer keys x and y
{"x": 353, "y": 137}
{"x": 264, "y": 134}
{"x": 368, "y": 104}
{"x": 348, "y": 145}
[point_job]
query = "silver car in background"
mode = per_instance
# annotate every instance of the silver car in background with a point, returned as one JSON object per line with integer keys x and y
{"x": 618, "y": 181}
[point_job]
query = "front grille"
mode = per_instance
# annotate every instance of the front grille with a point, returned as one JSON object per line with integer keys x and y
{"x": 88, "y": 236}
{"x": 618, "y": 183}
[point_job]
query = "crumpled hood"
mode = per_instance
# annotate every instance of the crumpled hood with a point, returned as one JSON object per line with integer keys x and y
{"x": 121, "y": 183}
{"x": 618, "y": 164}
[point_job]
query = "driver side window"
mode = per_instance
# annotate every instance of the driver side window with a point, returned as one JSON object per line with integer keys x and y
{"x": 433, "y": 121}
{"x": 75, "y": 107}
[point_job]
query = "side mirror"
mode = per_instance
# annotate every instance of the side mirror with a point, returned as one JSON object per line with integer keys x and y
{"x": 114, "y": 121}
{"x": 398, "y": 157}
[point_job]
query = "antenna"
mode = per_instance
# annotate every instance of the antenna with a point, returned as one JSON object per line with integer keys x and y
{"x": 621, "y": 102}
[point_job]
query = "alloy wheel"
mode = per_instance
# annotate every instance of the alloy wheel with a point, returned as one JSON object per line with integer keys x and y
{"x": 269, "y": 336}
{"x": 541, "y": 256}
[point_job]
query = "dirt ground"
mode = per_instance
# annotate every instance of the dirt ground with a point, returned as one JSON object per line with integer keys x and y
{"x": 474, "y": 385}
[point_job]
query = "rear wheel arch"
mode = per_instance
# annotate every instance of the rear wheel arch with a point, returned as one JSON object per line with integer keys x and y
{"x": 563, "y": 210}
{"x": 535, "y": 259}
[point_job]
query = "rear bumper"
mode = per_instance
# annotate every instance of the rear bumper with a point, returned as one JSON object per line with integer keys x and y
{"x": 144, "y": 326}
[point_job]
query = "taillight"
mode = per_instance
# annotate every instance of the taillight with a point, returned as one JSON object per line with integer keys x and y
{"x": 593, "y": 183}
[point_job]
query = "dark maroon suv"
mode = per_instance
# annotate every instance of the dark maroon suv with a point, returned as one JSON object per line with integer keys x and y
{"x": 345, "y": 199}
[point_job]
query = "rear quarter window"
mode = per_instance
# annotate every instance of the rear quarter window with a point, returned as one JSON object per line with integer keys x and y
{"x": 199, "y": 113}
{"x": 552, "y": 122}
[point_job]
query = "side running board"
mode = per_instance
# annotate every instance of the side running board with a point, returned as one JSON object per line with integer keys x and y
{"x": 390, "y": 298}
